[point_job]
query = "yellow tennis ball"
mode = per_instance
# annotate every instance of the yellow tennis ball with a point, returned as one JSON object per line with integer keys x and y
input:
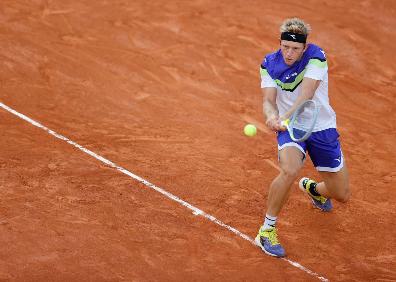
{"x": 250, "y": 130}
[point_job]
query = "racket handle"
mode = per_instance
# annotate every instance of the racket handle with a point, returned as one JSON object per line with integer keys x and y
{"x": 284, "y": 124}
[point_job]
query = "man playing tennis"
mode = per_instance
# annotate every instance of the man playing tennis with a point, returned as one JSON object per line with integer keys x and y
{"x": 295, "y": 73}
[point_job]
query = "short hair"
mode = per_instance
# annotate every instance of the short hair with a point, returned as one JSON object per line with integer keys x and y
{"x": 295, "y": 25}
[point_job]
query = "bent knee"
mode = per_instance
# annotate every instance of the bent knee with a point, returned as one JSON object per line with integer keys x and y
{"x": 291, "y": 172}
{"x": 343, "y": 196}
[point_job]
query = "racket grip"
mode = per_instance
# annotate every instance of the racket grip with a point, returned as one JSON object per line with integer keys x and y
{"x": 284, "y": 124}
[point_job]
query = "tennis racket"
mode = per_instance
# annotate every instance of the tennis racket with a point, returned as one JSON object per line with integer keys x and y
{"x": 302, "y": 122}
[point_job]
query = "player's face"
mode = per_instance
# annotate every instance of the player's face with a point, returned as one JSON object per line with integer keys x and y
{"x": 291, "y": 51}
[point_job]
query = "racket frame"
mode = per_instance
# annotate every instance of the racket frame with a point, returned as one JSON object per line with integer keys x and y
{"x": 288, "y": 123}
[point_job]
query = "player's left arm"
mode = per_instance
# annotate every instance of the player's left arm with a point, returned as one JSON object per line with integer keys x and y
{"x": 315, "y": 73}
{"x": 308, "y": 89}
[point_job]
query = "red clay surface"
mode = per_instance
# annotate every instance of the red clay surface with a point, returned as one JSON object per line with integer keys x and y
{"x": 164, "y": 88}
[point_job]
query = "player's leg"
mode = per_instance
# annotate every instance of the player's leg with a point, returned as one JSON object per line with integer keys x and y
{"x": 291, "y": 156}
{"x": 335, "y": 185}
{"x": 291, "y": 162}
{"x": 325, "y": 152}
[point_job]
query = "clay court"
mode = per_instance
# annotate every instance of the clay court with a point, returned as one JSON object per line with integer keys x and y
{"x": 122, "y": 154}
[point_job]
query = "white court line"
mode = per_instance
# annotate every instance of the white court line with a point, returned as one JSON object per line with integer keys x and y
{"x": 194, "y": 209}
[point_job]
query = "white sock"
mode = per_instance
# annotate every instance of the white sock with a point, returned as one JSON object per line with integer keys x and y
{"x": 269, "y": 221}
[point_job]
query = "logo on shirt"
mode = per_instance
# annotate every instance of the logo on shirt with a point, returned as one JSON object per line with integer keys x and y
{"x": 291, "y": 75}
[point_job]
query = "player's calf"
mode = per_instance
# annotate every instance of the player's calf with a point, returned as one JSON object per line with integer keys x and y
{"x": 341, "y": 194}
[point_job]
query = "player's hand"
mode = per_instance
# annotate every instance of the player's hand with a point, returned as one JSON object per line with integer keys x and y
{"x": 273, "y": 123}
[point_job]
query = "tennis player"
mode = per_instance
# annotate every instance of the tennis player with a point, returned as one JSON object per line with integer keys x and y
{"x": 295, "y": 73}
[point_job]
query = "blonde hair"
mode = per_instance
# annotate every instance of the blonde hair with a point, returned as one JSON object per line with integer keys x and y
{"x": 295, "y": 25}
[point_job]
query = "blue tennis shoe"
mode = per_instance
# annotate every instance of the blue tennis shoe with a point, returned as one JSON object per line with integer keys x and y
{"x": 320, "y": 202}
{"x": 267, "y": 240}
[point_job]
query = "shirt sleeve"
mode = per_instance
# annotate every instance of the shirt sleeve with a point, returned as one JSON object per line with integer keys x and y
{"x": 316, "y": 69}
{"x": 266, "y": 79}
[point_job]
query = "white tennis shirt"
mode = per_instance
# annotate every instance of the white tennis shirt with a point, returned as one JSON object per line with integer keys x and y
{"x": 285, "y": 99}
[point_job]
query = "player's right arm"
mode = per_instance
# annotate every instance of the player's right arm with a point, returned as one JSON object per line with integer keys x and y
{"x": 269, "y": 91}
{"x": 270, "y": 108}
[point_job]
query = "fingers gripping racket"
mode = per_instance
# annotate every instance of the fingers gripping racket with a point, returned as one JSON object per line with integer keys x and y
{"x": 302, "y": 122}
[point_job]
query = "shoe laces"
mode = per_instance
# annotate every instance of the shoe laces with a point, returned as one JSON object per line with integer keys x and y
{"x": 271, "y": 235}
{"x": 322, "y": 199}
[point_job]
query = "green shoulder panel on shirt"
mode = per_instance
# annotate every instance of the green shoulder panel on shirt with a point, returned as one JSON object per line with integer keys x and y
{"x": 292, "y": 85}
{"x": 263, "y": 72}
{"x": 318, "y": 63}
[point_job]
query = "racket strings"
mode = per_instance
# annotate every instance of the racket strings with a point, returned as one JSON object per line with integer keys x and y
{"x": 303, "y": 121}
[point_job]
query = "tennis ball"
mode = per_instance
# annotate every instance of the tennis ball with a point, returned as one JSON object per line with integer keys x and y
{"x": 250, "y": 130}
